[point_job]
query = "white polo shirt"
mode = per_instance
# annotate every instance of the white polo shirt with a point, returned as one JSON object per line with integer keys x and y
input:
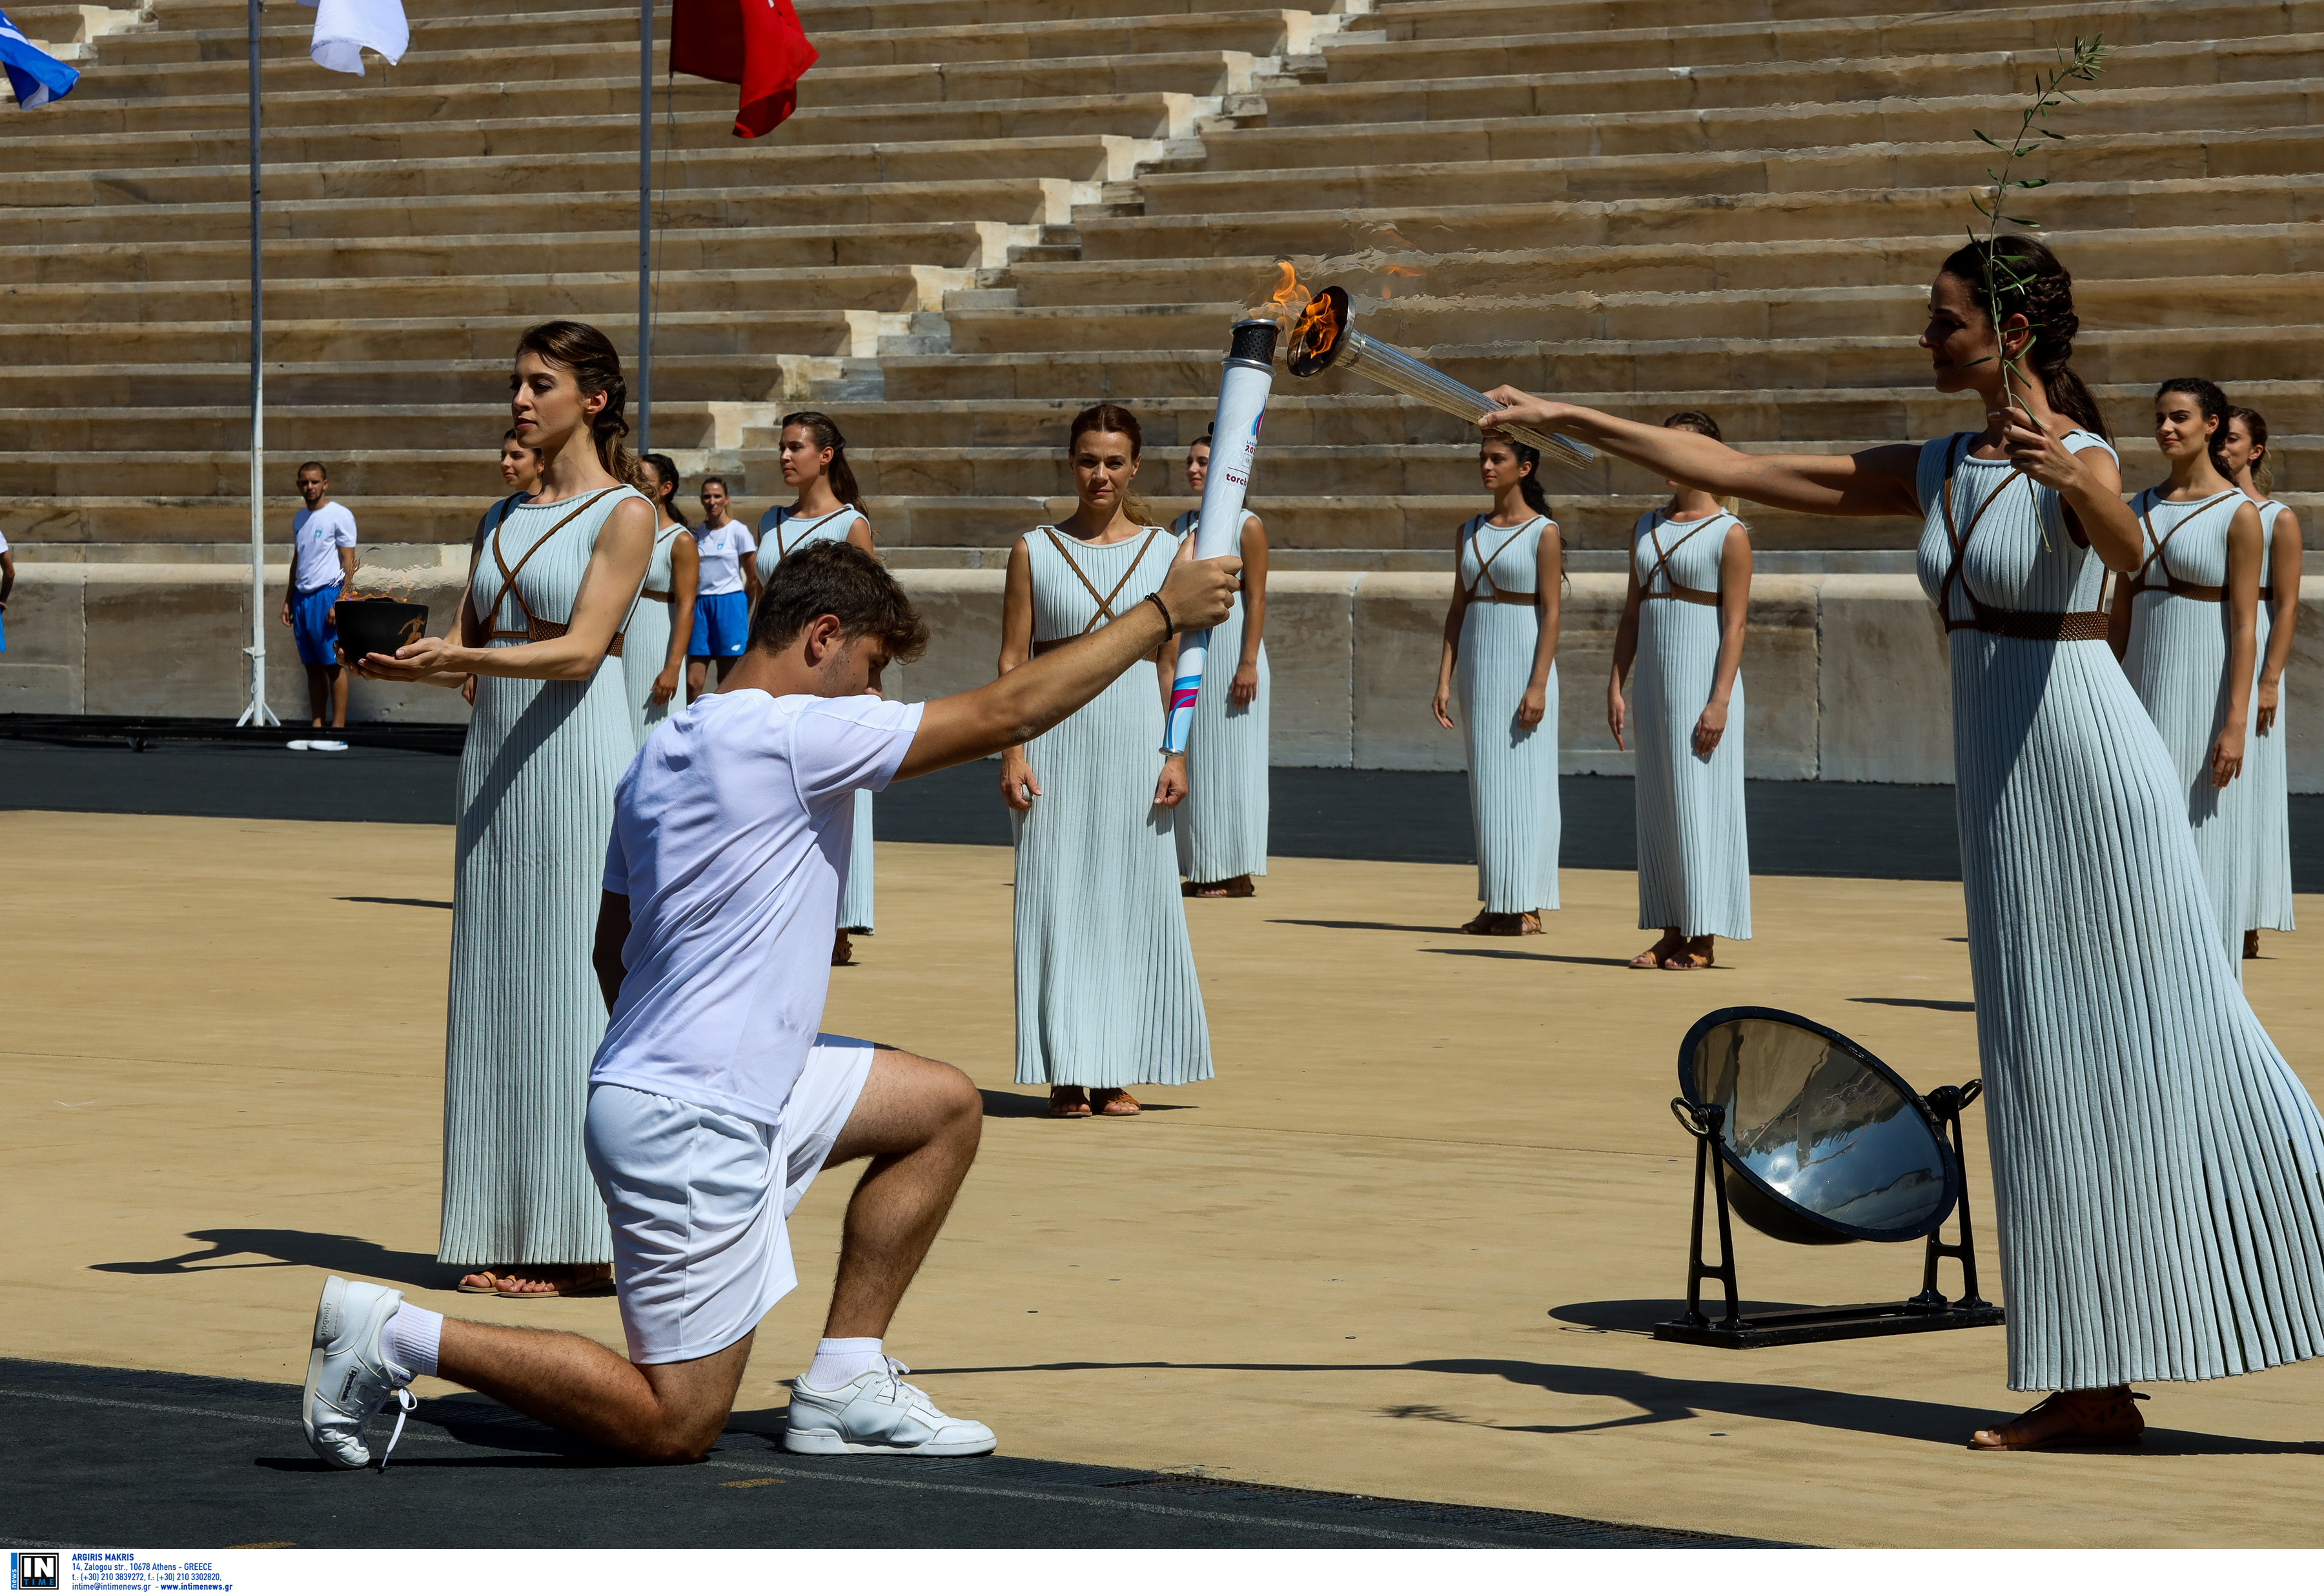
{"x": 730, "y": 835}
{"x": 723, "y": 552}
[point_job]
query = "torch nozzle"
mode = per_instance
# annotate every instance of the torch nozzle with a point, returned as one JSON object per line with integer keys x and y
{"x": 1391, "y": 367}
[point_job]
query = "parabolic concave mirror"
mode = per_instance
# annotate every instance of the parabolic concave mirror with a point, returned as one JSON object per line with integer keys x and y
{"x": 1822, "y": 1141}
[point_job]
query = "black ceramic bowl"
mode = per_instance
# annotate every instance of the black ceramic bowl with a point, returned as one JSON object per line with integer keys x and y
{"x": 379, "y": 625}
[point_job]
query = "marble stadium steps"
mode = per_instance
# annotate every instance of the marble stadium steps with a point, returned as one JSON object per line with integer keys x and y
{"x": 1022, "y": 201}
{"x": 1095, "y": 159}
{"x": 2131, "y": 256}
{"x": 2198, "y": 154}
{"x": 1446, "y": 37}
{"x": 2189, "y": 67}
{"x": 307, "y": 432}
{"x": 796, "y": 290}
{"x": 1252, "y": 31}
{"x": 930, "y": 246}
{"x": 1427, "y": 321}
{"x": 222, "y": 142}
{"x": 1740, "y": 221}
{"x": 2267, "y": 103}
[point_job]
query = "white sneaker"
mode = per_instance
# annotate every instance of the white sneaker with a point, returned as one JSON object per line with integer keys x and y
{"x": 348, "y": 1376}
{"x": 325, "y": 745}
{"x": 878, "y": 1413}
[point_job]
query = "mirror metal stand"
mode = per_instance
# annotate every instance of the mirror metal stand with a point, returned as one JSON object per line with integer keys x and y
{"x": 1930, "y": 1310}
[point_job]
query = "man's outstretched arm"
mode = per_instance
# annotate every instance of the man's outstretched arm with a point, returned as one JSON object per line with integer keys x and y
{"x": 1039, "y": 694}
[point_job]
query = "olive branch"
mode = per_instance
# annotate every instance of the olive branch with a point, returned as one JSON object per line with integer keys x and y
{"x": 2083, "y": 64}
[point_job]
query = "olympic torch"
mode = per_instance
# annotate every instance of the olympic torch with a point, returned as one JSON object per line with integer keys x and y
{"x": 1326, "y": 336}
{"x": 1243, "y": 387}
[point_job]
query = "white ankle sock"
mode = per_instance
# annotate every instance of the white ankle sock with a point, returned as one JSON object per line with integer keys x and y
{"x": 409, "y": 1338}
{"x": 839, "y": 1363}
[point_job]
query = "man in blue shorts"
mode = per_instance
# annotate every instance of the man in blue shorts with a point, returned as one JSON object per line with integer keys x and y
{"x": 322, "y": 560}
{"x": 728, "y": 590}
{"x": 715, "y": 1098}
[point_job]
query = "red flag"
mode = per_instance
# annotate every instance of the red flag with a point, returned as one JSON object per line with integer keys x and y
{"x": 757, "y": 43}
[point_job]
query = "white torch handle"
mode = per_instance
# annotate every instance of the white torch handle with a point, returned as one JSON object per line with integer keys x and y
{"x": 1243, "y": 389}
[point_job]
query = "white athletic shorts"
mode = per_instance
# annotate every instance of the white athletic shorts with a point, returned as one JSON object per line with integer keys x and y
{"x": 699, "y": 1200}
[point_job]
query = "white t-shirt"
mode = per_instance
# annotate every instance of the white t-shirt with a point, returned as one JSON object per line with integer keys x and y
{"x": 317, "y": 536}
{"x": 730, "y": 835}
{"x": 723, "y": 553}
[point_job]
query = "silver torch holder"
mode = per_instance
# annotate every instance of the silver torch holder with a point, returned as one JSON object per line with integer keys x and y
{"x": 1326, "y": 339}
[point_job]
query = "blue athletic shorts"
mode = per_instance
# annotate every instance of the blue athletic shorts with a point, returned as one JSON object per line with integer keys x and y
{"x": 722, "y": 626}
{"x": 312, "y": 624}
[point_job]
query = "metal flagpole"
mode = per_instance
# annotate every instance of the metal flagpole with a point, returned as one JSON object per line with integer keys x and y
{"x": 645, "y": 225}
{"x": 256, "y": 713}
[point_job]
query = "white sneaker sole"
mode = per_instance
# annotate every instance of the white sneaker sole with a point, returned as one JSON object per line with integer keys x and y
{"x": 329, "y": 1311}
{"x": 826, "y": 1443}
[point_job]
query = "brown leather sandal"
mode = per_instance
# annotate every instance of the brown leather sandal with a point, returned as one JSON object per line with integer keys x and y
{"x": 2069, "y": 1417}
{"x": 1068, "y": 1101}
{"x": 843, "y": 951}
{"x": 1113, "y": 1103}
{"x": 491, "y": 1277}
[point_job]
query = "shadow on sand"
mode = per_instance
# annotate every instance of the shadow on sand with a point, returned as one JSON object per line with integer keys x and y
{"x": 298, "y": 1249}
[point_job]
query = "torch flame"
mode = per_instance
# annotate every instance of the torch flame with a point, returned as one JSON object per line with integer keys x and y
{"x": 1284, "y": 303}
{"x": 1317, "y": 331}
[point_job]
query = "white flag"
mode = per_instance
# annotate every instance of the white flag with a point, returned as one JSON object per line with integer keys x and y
{"x": 344, "y": 28}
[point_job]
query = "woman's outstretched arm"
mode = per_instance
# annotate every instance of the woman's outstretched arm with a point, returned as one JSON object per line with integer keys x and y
{"x": 1875, "y": 481}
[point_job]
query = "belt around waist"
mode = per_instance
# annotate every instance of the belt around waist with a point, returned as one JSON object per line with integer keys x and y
{"x": 1686, "y": 596}
{"x": 1527, "y": 599}
{"x": 1041, "y": 648}
{"x": 657, "y": 597}
{"x": 2178, "y": 589}
{"x": 2035, "y": 625}
{"x": 540, "y": 631}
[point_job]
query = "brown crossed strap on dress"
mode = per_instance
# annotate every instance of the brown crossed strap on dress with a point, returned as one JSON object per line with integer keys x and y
{"x": 1485, "y": 571}
{"x": 2137, "y": 582}
{"x": 1677, "y": 589}
{"x": 536, "y": 630}
{"x": 2027, "y": 625}
{"x": 1104, "y": 611}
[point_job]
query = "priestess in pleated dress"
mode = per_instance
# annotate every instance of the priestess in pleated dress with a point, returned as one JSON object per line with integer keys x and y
{"x": 1222, "y": 826}
{"x": 1694, "y": 850}
{"x": 2245, "y": 454}
{"x": 2156, "y": 1163}
{"x": 1499, "y": 662}
{"x": 1107, "y": 996}
{"x": 537, "y": 780}
{"x": 781, "y": 533}
{"x": 2178, "y": 619}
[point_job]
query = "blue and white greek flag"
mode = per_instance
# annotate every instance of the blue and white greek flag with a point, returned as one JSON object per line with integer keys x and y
{"x": 35, "y": 74}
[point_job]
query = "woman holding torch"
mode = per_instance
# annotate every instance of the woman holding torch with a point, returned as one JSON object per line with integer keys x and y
{"x": 1107, "y": 997}
{"x": 2156, "y": 1164}
{"x": 1500, "y": 659}
{"x": 2245, "y": 454}
{"x": 1221, "y": 828}
{"x": 1683, "y": 622}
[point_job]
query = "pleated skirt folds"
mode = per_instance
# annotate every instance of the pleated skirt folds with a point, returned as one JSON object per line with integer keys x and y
{"x": 1695, "y": 846}
{"x": 1512, "y": 773}
{"x": 1222, "y": 826}
{"x": 2155, "y": 1161}
{"x": 1107, "y": 994}
{"x": 2265, "y": 768}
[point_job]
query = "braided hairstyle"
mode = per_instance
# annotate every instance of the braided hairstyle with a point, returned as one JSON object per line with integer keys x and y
{"x": 2255, "y": 429}
{"x": 2215, "y": 407}
{"x": 597, "y": 366}
{"x": 2037, "y": 286}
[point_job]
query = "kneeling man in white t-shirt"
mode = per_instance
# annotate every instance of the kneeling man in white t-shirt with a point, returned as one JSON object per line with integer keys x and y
{"x": 714, "y": 1099}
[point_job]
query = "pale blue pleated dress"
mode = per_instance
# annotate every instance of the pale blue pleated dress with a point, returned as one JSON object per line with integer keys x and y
{"x": 2154, "y": 1160}
{"x": 1106, "y": 990}
{"x": 779, "y": 533}
{"x": 645, "y": 641}
{"x": 1512, "y": 773}
{"x": 1222, "y": 826}
{"x": 2177, "y": 662}
{"x": 2265, "y": 768}
{"x": 525, "y": 1014}
{"x": 1694, "y": 850}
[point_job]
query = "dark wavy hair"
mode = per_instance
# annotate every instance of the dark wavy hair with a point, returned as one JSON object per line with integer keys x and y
{"x": 1112, "y": 417}
{"x": 668, "y": 488}
{"x": 2037, "y": 286}
{"x": 597, "y": 366}
{"x": 2213, "y": 404}
{"x": 2255, "y": 424}
{"x": 826, "y": 434}
{"x": 843, "y": 580}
